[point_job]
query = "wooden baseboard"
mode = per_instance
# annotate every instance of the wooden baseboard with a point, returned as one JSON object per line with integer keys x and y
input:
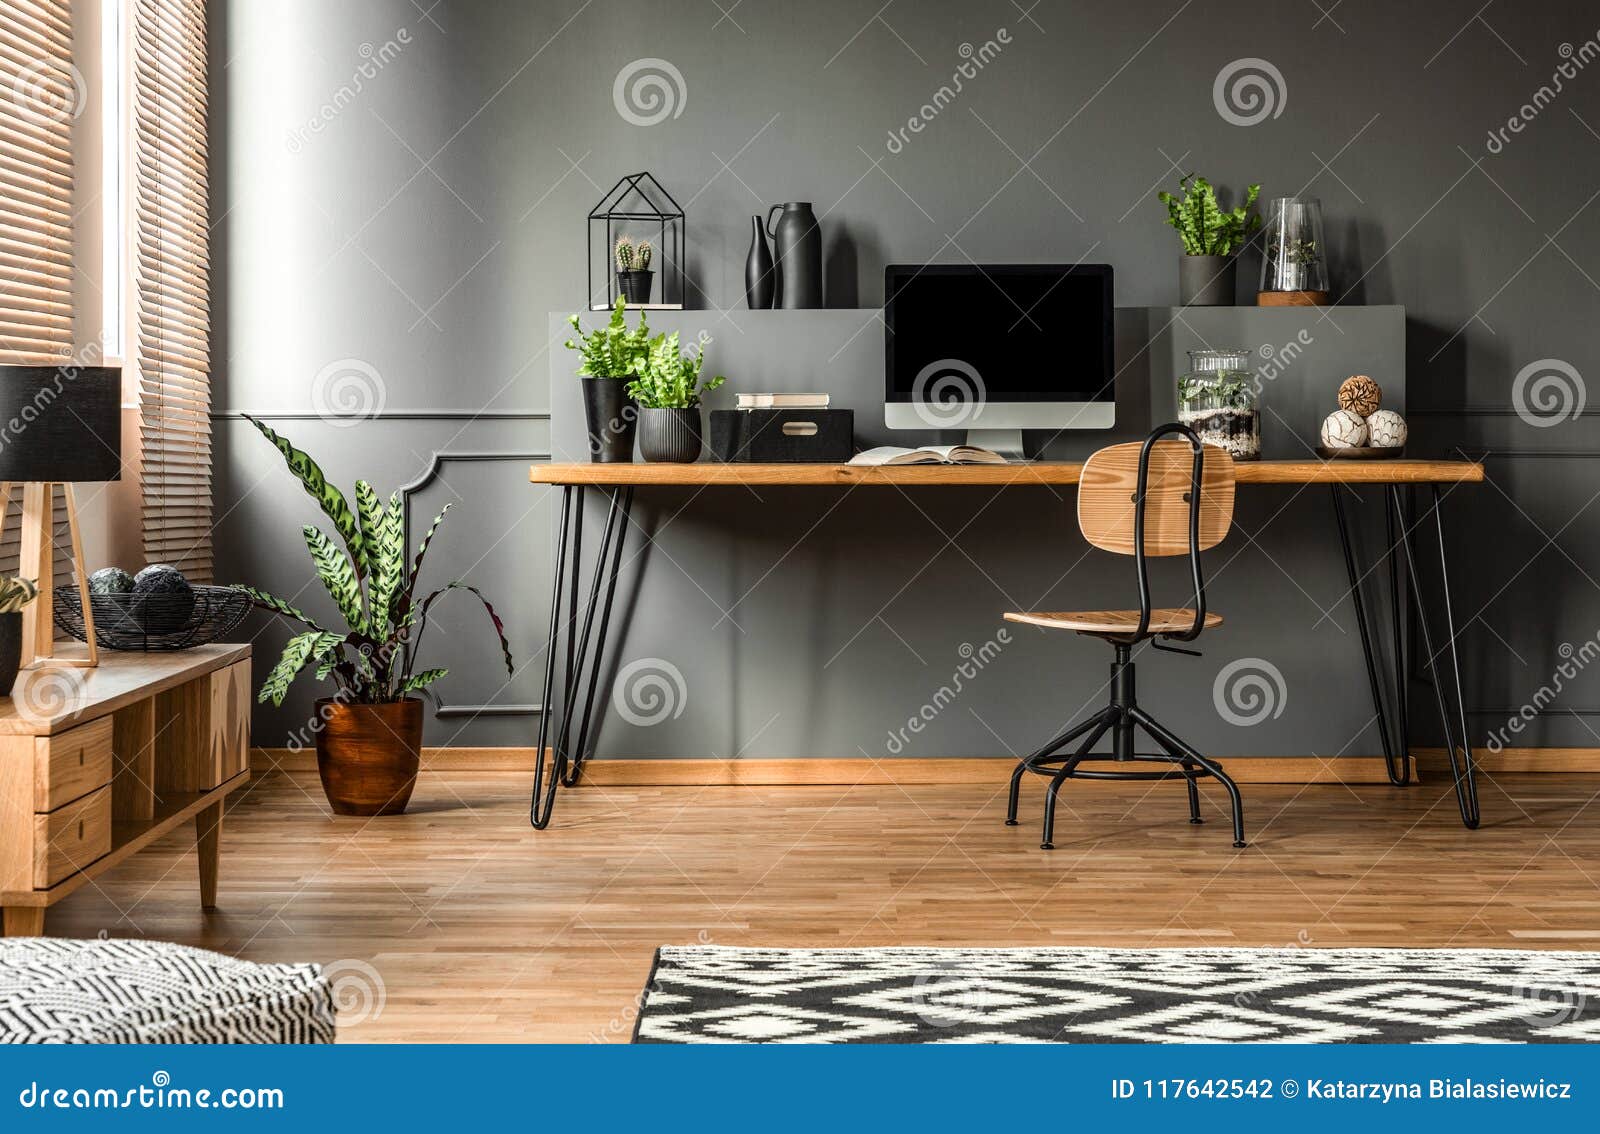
{"x": 1516, "y": 760}
{"x": 821, "y": 771}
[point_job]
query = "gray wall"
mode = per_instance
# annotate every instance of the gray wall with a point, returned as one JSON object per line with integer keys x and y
{"x": 431, "y": 225}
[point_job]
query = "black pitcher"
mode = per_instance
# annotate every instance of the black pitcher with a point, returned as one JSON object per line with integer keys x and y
{"x": 797, "y": 244}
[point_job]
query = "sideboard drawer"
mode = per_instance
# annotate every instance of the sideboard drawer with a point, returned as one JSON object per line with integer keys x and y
{"x": 71, "y": 764}
{"x": 70, "y": 838}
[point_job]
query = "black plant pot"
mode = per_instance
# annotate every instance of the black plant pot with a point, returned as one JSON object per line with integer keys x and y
{"x": 10, "y": 650}
{"x": 670, "y": 435}
{"x": 612, "y": 418}
{"x": 1206, "y": 281}
{"x": 635, "y": 285}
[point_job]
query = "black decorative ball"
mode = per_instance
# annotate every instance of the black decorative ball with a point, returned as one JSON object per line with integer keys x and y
{"x": 163, "y": 600}
{"x": 110, "y": 581}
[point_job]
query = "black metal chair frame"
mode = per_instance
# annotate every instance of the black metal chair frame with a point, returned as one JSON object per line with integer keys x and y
{"x": 1123, "y": 715}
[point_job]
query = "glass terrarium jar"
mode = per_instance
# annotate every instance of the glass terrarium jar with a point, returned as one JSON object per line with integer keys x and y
{"x": 1295, "y": 259}
{"x": 1220, "y": 399}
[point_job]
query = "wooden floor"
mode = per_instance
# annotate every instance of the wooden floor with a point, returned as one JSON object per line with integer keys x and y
{"x": 478, "y": 928}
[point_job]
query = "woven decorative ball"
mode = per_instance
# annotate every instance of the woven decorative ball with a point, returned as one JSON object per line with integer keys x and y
{"x": 1386, "y": 430}
{"x": 1360, "y": 395}
{"x": 1344, "y": 430}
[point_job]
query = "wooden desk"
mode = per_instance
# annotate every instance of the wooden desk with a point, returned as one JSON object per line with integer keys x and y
{"x": 618, "y": 482}
{"x": 95, "y": 764}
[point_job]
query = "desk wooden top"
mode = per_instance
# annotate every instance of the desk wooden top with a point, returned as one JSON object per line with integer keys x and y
{"x": 53, "y": 698}
{"x": 1026, "y": 473}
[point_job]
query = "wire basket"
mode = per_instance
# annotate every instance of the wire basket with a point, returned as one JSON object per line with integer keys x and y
{"x": 153, "y": 622}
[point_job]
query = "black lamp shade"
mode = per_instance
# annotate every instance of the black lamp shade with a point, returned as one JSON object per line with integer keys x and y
{"x": 60, "y": 423}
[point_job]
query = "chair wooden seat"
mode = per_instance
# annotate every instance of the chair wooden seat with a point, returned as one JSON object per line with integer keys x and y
{"x": 1163, "y": 620}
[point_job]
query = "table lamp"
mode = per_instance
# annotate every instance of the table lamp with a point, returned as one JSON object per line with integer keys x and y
{"x": 58, "y": 425}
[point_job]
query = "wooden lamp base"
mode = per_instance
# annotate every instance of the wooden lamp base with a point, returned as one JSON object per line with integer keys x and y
{"x": 37, "y": 561}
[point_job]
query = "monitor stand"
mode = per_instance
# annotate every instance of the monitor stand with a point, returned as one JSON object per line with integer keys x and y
{"x": 1006, "y": 442}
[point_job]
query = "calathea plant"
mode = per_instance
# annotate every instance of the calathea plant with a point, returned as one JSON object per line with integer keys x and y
{"x": 16, "y": 593}
{"x": 1203, "y": 226}
{"x": 373, "y": 660}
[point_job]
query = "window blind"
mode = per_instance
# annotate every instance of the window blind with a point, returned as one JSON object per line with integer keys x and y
{"x": 40, "y": 97}
{"x": 171, "y": 281}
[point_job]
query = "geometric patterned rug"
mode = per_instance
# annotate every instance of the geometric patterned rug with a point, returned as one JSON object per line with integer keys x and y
{"x": 714, "y": 994}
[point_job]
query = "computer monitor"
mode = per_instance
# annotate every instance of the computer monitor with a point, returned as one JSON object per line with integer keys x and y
{"x": 998, "y": 348}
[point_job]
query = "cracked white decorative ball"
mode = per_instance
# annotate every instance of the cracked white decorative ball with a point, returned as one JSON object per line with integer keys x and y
{"x": 1344, "y": 430}
{"x": 1386, "y": 430}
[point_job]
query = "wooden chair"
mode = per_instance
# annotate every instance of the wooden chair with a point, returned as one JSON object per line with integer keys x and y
{"x": 1161, "y": 498}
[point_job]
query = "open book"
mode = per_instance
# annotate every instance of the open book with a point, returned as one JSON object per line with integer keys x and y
{"x": 928, "y": 455}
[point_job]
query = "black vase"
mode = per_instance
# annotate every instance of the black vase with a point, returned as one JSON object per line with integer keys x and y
{"x": 670, "y": 435}
{"x": 612, "y": 418}
{"x": 759, "y": 282}
{"x": 797, "y": 244}
{"x": 10, "y": 650}
{"x": 635, "y": 285}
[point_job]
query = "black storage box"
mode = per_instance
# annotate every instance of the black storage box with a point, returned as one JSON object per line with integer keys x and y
{"x": 781, "y": 436}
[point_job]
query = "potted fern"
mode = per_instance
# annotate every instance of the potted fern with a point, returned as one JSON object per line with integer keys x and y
{"x": 15, "y": 593}
{"x": 369, "y": 733}
{"x": 668, "y": 390}
{"x": 611, "y": 357}
{"x": 633, "y": 269}
{"x": 1211, "y": 239}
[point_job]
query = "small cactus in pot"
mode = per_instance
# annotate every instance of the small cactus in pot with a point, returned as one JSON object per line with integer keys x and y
{"x": 633, "y": 269}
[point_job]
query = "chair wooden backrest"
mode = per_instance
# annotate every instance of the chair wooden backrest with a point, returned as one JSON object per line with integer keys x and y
{"x": 1108, "y": 491}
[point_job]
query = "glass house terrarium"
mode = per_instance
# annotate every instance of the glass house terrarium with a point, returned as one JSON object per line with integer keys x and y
{"x": 1294, "y": 269}
{"x": 1220, "y": 399}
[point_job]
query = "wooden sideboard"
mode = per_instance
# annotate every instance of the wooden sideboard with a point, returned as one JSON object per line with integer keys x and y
{"x": 96, "y": 764}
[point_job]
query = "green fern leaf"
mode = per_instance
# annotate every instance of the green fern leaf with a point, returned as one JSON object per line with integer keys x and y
{"x": 337, "y": 574}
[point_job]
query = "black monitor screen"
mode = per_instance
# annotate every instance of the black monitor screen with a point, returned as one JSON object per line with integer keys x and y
{"x": 1030, "y": 333}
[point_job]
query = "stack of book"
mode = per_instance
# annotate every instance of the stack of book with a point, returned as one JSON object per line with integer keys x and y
{"x": 783, "y": 401}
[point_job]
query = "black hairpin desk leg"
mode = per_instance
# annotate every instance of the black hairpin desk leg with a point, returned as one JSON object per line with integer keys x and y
{"x": 1453, "y": 717}
{"x": 559, "y": 761}
{"x": 1396, "y": 756}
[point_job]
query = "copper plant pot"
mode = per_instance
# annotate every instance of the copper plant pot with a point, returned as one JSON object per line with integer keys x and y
{"x": 368, "y": 755}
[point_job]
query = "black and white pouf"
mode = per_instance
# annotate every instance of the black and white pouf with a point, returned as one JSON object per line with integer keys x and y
{"x": 712, "y": 994}
{"x": 61, "y": 991}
